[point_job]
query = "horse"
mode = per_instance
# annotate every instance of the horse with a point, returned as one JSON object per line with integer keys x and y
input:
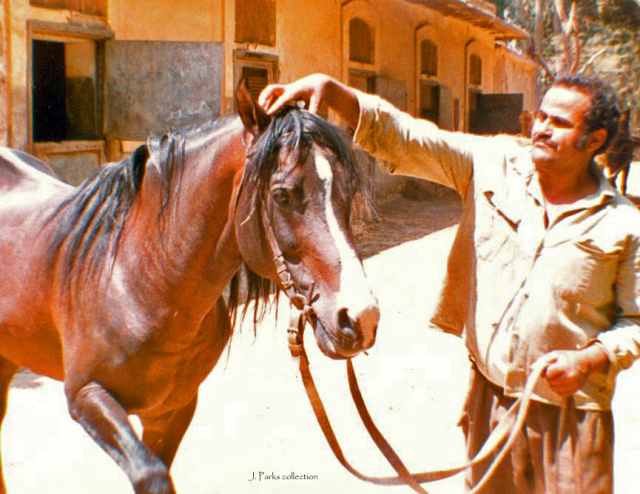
{"x": 117, "y": 287}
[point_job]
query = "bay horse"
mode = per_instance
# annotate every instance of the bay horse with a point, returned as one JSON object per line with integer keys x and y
{"x": 116, "y": 287}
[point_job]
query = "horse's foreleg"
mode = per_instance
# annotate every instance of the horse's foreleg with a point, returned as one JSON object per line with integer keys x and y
{"x": 7, "y": 371}
{"x": 163, "y": 434}
{"x": 106, "y": 421}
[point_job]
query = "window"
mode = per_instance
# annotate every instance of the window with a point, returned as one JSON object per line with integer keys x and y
{"x": 256, "y": 78}
{"x": 429, "y": 58}
{"x": 361, "y": 41}
{"x": 430, "y": 101}
{"x": 475, "y": 70}
{"x": 256, "y": 22}
{"x": 456, "y": 114}
{"x": 257, "y": 69}
{"x": 362, "y": 80}
{"x": 64, "y": 100}
{"x": 91, "y": 7}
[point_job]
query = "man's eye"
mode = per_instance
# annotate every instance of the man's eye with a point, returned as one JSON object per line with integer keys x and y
{"x": 281, "y": 197}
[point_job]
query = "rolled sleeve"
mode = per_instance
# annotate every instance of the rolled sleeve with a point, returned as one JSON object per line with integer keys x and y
{"x": 413, "y": 146}
{"x": 368, "y": 104}
{"x": 622, "y": 341}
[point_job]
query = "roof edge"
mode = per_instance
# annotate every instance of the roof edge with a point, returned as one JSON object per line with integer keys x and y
{"x": 460, "y": 9}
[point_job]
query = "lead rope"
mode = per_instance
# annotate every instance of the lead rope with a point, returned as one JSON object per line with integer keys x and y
{"x": 507, "y": 429}
{"x": 568, "y": 430}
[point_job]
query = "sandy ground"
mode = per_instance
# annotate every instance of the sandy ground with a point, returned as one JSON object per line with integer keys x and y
{"x": 253, "y": 419}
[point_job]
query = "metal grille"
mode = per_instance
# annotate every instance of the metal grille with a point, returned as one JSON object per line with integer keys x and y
{"x": 256, "y": 80}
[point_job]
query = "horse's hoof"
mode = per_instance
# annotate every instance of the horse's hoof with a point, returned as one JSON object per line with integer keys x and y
{"x": 155, "y": 482}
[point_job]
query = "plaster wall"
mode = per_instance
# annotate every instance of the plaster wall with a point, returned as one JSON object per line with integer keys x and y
{"x": 5, "y": 100}
{"x": 307, "y": 41}
{"x": 400, "y": 27}
{"x": 514, "y": 74}
{"x": 167, "y": 20}
{"x": 309, "y": 33}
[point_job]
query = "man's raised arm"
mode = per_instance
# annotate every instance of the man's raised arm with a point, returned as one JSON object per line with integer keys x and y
{"x": 314, "y": 90}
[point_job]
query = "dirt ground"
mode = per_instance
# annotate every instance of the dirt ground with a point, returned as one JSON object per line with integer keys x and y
{"x": 253, "y": 419}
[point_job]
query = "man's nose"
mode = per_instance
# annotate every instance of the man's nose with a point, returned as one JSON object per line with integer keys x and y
{"x": 540, "y": 127}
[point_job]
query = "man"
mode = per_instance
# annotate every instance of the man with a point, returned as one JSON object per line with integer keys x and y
{"x": 546, "y": 263}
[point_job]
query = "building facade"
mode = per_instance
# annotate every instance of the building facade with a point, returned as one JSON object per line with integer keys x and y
{"x": 84, "y": 81}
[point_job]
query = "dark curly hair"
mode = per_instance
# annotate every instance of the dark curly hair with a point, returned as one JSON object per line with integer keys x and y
{"x": 604, "y": 112}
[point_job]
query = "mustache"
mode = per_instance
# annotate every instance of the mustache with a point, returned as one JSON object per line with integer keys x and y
{"x": 543, "y": 139}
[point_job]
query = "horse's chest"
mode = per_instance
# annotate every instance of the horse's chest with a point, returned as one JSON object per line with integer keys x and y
{"x": 167, "y": 374}
{"x": 168, "y": 381}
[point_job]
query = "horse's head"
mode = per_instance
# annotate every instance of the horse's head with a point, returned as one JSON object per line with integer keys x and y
{"x": 293, "y": 215}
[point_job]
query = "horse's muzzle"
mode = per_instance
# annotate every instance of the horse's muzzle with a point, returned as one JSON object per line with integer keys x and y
{"x": 356, "y": 334}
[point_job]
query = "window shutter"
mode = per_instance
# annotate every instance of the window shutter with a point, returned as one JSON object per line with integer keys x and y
{"x": 256, "y": 80}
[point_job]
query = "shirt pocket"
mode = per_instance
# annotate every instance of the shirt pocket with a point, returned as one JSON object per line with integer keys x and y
{"x": 493, "y": 228}
{"x": 586, "y": 273}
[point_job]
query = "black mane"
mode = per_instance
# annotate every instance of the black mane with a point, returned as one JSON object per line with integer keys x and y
{"x": 91, "y": 221}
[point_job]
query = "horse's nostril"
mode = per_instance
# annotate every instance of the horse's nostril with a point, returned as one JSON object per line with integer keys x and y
{"x": 344, "y": 321}
{"x": 349, "y": 336}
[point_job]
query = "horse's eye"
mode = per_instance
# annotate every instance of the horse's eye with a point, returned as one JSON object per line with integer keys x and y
{"x": 281, "y": 197}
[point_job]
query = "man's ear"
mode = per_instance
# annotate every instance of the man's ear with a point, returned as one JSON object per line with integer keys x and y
{"x": 596, "y": 140}
{"x": 254, "y": 118}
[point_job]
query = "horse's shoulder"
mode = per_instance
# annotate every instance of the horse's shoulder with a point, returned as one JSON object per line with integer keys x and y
{"x": 17, "y": 168}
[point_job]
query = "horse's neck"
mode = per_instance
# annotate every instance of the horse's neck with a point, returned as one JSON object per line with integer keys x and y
{"x": 197, "y": 243}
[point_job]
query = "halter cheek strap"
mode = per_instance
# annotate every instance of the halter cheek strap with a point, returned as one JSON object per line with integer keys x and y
{"x": 299, "y": 301}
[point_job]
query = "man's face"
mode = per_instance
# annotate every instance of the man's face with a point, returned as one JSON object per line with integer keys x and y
{"x": 559, "y": 135}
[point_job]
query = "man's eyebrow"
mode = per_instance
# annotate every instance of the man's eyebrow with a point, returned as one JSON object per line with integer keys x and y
{"x": 561, "y": 120}
{"x": 556, "y": 118}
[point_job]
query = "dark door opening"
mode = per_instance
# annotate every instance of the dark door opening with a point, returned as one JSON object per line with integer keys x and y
{"x": 48, "y": 89}
{"x": 430, "y": 101}
{"x": 495, "y": 113}
{"x": 63, "y": 91}
{"x": 364, "y": 81}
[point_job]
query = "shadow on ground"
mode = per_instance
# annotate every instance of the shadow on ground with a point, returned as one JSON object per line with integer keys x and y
{"x": 401, "y": 220}
{"x": 25, "y": 379}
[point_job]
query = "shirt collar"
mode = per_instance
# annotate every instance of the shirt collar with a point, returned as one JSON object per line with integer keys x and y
{"x": 604, "y": 194}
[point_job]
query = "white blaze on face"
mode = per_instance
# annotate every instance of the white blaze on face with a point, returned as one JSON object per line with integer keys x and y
{"x": 354, "y": 294}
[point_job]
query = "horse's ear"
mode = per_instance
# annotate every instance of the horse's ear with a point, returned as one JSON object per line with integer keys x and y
{"x": 139, "y": 163}
{"x": 254, "y": 118}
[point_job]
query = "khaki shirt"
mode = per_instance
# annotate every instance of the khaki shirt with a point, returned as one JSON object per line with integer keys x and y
{"x": 518, "y": 286}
